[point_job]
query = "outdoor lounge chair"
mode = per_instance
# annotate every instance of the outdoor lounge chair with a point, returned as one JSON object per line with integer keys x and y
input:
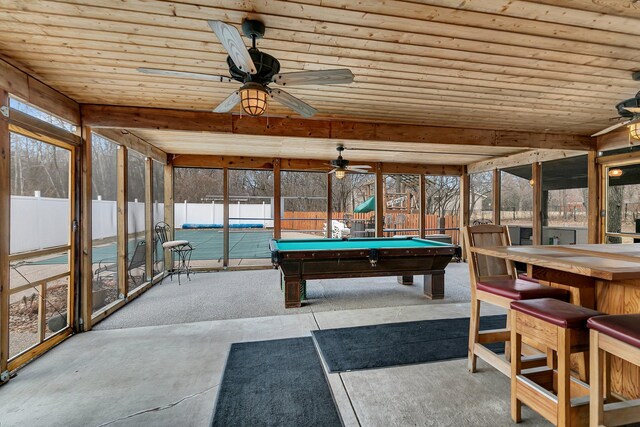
{"x": 108, "y": 267}
{"x": 339, "y": 229}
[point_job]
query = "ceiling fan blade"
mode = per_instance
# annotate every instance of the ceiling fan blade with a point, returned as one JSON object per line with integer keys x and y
{"x": 232, "y": 42}
{"x": 320, "y": 77}
{"x": 292, "y": 102}
{"x": 610, "y": 128}
{"x": 359, "y": 167}
{"x": 332, "y": 171}
{"x": 635, "y": 110}
{"x": 184, "y": 74}
{"x": 228, "y": 104}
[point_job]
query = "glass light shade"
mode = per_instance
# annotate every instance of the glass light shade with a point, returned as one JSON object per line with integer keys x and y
{"x": 615, "y": 172}
{"x": 634, "y": 131}
{"x": 341, "y": 173}
{"x": 253, "y": 98}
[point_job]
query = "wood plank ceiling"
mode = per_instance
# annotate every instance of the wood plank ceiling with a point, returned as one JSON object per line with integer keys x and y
{"x": 541, "y": 65}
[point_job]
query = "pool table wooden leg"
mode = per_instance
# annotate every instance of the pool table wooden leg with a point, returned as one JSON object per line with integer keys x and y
{"x": 292, "y": 293}
{"x": 434, "y": 285}
{"x": 405, "y": 280}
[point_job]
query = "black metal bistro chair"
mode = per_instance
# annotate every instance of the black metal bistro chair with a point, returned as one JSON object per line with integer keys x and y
{"x": 180, "y": 249}
{"x": 108, "y": 267}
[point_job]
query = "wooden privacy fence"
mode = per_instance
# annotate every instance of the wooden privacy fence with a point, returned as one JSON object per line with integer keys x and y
{"x": 405, "y": 224}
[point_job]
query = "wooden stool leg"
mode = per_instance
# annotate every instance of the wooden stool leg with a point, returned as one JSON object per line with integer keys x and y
{"x": 606, "y": 358}
{"x": 596, "y": 403}
{"x": 474, "y": 328}
{"x": 516, "y": 368}
{"x": 564, "y": 373}
{"x": 507, "y": 344}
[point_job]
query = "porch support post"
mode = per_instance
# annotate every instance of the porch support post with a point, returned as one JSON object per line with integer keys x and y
{"x": 536, "y": 176}
{"x": 169, "y": 211}
{"x": 225, "y": 218}
{"x": 379, "y": 201}
{"x": 497, "y": 195}
{"x": 277, "y": 202}
{"x": 594, "y": 190}
{"x": 123, "y": 221}
{"x": 464, "y": 205}
{"x": 148, "y": 213}
{"x": 423, "y": 206}
{"x": 5, "y": 211}
{"x": 86, "y": 218}
{"x": 329, "y": 206}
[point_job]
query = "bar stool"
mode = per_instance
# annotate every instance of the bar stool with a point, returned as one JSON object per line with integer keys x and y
{"x": 613, "y": 335}
{"x": 494, "y": 281}
{"x": 562, "y": 327}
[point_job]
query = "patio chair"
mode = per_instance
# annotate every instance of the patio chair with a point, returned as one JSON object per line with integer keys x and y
{"x": 338, "y": 230}
{"x": 495, "y": 281}
{"x": 108, "y": 267}
{"x": 179, "y": 248}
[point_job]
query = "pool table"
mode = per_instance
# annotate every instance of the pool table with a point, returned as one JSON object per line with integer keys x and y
{"x": 307, "y": 259}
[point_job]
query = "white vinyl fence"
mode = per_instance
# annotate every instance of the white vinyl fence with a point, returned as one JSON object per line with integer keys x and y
{"x": 212, "y": 213}
{"x": 43, "y": 222}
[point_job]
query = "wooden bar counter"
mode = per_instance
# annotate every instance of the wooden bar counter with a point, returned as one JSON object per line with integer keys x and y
{"x": 604, "y": 277}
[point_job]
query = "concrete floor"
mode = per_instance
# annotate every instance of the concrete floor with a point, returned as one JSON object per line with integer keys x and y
{"x": 244, "y": 294}
{"x": 167, "y": 374}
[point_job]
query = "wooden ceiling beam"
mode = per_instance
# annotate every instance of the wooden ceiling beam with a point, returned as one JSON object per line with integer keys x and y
{"x": 524, "y": 158}
{"x": 210, "y": 161}
{"x": 21, "y": 85}
{"x": 617, "y": 139}
{"x": 133, "y": 142}
{"x": 32, "y": 127}
{"x": 198, "y": 121}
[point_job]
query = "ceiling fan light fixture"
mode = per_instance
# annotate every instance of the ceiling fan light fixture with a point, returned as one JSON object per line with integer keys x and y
{"x": 253, "y": 99}
{"x": 341, "y": 173}
{"x": 634, "y": 131}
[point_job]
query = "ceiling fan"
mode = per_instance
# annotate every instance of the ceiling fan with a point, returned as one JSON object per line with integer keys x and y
{"x": 341, "y": 166}
{"x": 629, "y": 112}
{"x": 256, "y": 70}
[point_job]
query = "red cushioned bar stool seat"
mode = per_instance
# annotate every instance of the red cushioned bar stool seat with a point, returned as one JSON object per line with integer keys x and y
{"x": 562, "y": 328}
{"x": 613, "y": 335}
{"x": 517, "y": 289}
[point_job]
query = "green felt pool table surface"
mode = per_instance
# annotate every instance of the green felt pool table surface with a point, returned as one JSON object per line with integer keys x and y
{"x": 365, "y": 243}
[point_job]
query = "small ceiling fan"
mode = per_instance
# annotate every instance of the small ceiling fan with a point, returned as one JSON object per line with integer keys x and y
{"x": 629, "y": 112}
{"x": 341, "y": 166}
{"x": 256, "y": 70}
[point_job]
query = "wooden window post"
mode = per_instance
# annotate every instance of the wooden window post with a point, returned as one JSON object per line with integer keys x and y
{"x": 86, "y": 219}
{"x": 277, "y": 202}
{"x": 5, "y": 211}
{"x": 423, "y": 206}
{"x": 379, "y": 201}
{"x": 465, "y": 183}
{"x": 329, "y": 206}
{"x": 225, "y": 217}
{"x": 497, "y": 195}
{"x": 148, "y": 207}
{"x": 536, "y": 176}
{"x": 169, "y": 212}
{"x": 594, "y": 190}
{"x": 123, "y": 222}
